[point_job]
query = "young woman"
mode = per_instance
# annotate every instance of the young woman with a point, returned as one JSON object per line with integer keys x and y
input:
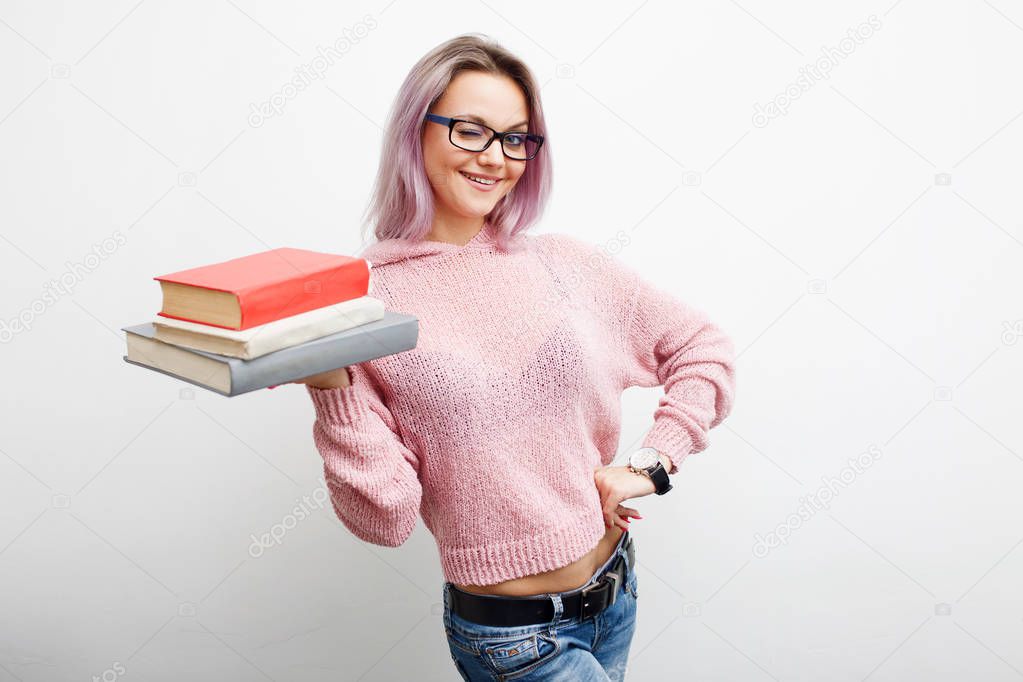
{"x": 500, "y": 425}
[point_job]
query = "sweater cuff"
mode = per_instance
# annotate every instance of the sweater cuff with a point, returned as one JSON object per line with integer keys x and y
{"x": 672, "y": 442}
{"x": 337, "y": 405}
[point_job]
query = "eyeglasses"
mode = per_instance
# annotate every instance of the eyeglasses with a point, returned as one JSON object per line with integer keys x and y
{"x": 476, "y": 137}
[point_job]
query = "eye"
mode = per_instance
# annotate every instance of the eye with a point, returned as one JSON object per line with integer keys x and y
{"x": 467, "y": 130}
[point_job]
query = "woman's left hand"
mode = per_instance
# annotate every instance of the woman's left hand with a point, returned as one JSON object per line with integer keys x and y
{"x": 617, "y": 483}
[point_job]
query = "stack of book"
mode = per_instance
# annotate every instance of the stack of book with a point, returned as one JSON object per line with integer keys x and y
{"x": 266, "y": 319}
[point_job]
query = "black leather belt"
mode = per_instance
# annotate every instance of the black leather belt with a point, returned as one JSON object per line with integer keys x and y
{"x": 506, "y": 612}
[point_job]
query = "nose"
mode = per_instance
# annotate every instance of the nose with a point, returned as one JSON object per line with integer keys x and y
{"x": 492, "y": 155}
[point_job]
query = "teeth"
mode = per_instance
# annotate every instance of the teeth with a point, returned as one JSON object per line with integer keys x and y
{"x": 478, "y": 179}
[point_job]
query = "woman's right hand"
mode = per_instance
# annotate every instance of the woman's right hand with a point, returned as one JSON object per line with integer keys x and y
{"x": 335, "y": 378}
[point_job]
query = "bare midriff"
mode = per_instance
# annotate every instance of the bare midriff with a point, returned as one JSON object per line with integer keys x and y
{"x": 562, "y": 579}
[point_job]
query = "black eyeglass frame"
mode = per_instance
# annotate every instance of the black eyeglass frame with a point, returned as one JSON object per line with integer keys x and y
{"x": 450, "y": 123}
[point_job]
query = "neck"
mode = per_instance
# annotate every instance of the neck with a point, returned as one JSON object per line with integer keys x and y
{"x": 458, "y": 231}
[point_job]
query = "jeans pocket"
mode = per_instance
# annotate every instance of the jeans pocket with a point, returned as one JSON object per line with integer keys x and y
{"x": 512, "y": 657}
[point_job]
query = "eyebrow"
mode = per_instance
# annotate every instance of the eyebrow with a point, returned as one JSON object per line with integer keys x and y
{"x": 477, "y": 119}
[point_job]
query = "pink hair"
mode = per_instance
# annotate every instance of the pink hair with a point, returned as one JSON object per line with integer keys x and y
{"x": 403, "y": 205}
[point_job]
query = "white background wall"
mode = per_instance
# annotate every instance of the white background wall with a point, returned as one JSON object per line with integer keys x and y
{"x": 863, "y": 249}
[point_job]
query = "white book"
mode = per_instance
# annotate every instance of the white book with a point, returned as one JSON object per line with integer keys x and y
{"x": 267, "y": 338}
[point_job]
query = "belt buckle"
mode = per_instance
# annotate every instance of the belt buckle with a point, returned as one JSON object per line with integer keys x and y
{"x": 610, "y": 577}
{"x": 616, "y": 581}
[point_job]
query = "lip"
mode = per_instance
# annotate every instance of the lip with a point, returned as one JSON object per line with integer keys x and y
{"x": 478, "y": 186}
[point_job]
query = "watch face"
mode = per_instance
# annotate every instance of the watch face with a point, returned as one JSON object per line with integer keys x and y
{"x": 644, "y": 458}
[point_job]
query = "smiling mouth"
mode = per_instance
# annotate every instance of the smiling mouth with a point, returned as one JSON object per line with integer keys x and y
{"x": 478, "y": 180}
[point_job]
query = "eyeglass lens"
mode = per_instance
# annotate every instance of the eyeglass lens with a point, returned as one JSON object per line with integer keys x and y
{"x": 473, "y": 137}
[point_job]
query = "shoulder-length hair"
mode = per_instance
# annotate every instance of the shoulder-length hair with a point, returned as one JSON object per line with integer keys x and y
{"x": 402, "y": 205}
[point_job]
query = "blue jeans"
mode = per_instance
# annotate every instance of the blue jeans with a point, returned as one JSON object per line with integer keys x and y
{"x": 570, "y": 649}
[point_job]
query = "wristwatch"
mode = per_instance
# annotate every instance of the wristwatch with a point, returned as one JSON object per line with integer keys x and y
{"x": 646, "y": 461}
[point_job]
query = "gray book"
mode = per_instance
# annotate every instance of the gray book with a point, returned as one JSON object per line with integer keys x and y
{"x": 231, "y": 376}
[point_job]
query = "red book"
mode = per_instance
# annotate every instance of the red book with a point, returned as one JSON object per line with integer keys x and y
{"x": 263, "y": 287}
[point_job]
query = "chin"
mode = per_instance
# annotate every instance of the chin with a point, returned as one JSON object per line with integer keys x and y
{"x": 476, "y": 211}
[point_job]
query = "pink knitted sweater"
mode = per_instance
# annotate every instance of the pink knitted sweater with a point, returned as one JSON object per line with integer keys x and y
{"x": 491, "y": 428}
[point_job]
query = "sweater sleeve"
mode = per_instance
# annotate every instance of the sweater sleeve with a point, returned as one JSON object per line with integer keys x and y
{"x": 372, "y": 477}
{"x": 670, "y": 343}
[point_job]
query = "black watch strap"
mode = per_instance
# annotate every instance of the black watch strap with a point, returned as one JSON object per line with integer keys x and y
{"x": 660, "y": 478}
